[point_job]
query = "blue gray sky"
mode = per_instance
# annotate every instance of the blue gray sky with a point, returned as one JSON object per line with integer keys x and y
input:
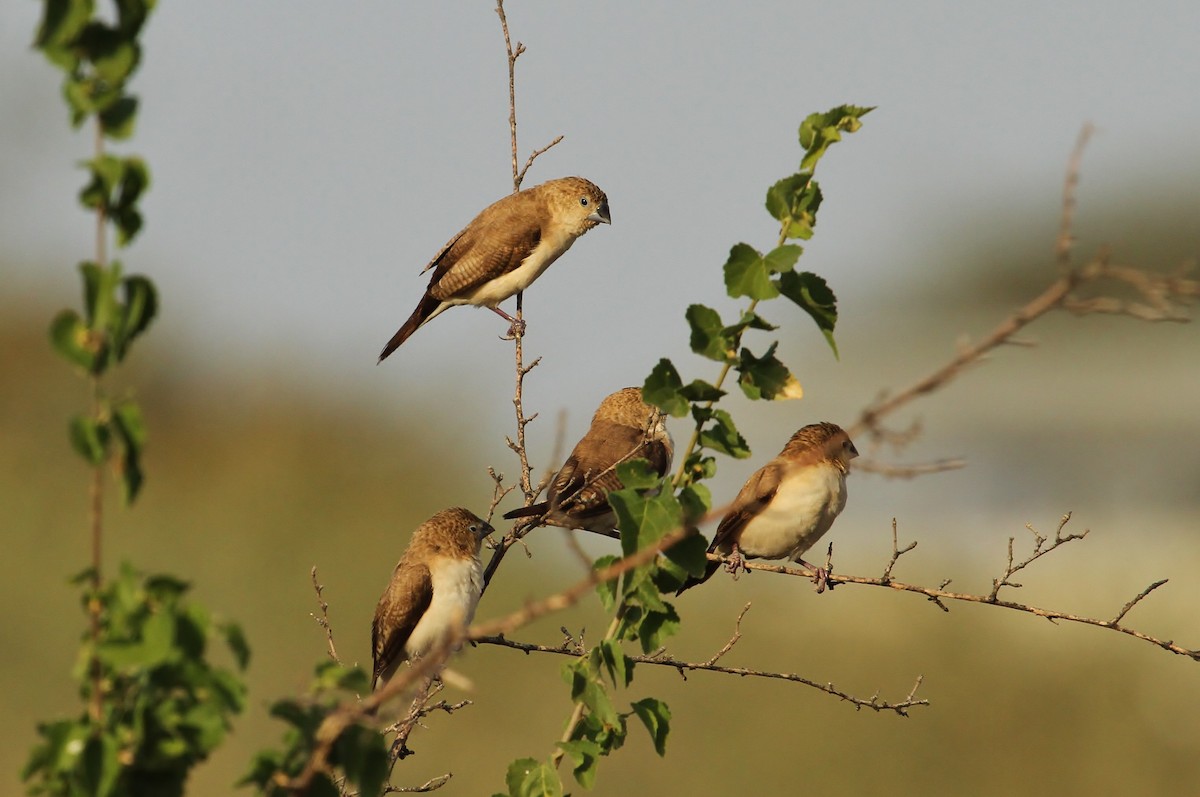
{"x": 309, "y": 158}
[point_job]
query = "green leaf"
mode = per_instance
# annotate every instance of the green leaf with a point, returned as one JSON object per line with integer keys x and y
{"x": 699, "y": 466}
{"x": 586, "y": 755}
{"x": 235, "y": 638}
{"x": 723, "y": 436}
{"x": 699, "y": 391}
{"x": 73, "y": 340}
{"x": 662, "y": 389}
{"x": 794, "y": 200}
{"x": 131, "y": 429}
{"x": 100, "y": 765}
{"x": 134, "y": 317}
{"x": 642, "y": 518}
{"x": 657, "y": 627}
{"x": 117, "y": 120}
{"x": 766, "y": 377}
{"x": 696, "y": 500}
{"x": 363, "y": 755}
{"x": 106, "y": 172}
{"x": 89, "y": 438}
{"x": 820, "y": 130}
{"x": 62, "y": 22}
{"x": 607, "y": 590}
{"x": 528, "y": 777}
{"x": 135, "y": 180}
{"x": 708, "y": 335}
{"x": 815, "y": 297}
{"x": 682, "y": 560}
{"x": 618, "y": 666}
{"x": 655, "y": 715}
{"x": 782, "y": 258}
{"x": 746, "y": 274}
{"x": 636, "y": 474}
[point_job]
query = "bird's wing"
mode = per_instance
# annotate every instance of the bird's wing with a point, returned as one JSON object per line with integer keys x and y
{"x": 406, "y": 599}
{"x": 486, "y": 249}
{"x": 589, "y": 474}
{"x": 754, "y": 496}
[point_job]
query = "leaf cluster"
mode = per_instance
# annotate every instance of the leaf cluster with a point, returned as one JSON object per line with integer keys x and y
{"x": 164, "y": 705}
{"x": 117, "y": 309}
{"x": 759, "y": 277}
{"x": 359, "y": 752}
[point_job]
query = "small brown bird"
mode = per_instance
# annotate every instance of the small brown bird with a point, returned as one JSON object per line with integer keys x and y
{"x": 505, "y": 248}
{"x": 434, "y": 590}
{"x": 788, "y": 504}
{"x": 624, "y": 427}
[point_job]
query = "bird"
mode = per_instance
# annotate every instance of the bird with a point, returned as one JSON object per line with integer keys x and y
{"x": 433, "y": 592}
{"x": 624, "y": 427}
{"x": 787, "y": 505}
{"x": 505, "y": 248}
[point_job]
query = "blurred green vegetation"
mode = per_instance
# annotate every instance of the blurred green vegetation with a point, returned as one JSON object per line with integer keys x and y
{"x": 254, "y": 477}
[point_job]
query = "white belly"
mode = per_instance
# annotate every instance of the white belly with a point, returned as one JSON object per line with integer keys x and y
{"x": 492, "y": 292}
{"x": 457, "y": 585}
{"x": 803, "y": 509}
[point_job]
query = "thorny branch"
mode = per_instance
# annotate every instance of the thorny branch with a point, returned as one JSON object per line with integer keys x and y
{"x": 939, "y": 594}
{"x": 323, "y": 620}
{"x": 873, "y": 702}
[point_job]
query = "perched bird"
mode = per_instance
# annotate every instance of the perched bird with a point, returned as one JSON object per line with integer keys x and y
{"x": 624, "y": 427}
{"x": 434, "y": 590}
{"x": 788, "y": 504}
{"x": 505, "y": 248}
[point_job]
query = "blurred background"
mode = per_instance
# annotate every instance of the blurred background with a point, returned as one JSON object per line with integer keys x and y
{"x": 308, "y": 159}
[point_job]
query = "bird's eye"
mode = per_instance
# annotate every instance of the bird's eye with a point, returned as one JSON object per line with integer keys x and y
{"x": 474, "y": 528}
{"x": 583, "y": 201}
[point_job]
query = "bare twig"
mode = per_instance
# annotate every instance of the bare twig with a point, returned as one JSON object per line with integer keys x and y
{"x": 873, "y": 702}
{"x": 1066, "y": 238}
{"x": 433, "y": 784}
{"x": 1163, "y": 298}
{"x": 897, "y": 552}
{"x": 892, "y": 471}
{"x": 939, "y": 594}
{"x": 323, "y": 620}
{"x": 733, "y": 640}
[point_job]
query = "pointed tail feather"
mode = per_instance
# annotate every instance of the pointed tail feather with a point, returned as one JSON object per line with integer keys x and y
{"x": 709, "y": 569}
{"x": 527, "y": 511}
{"x": 427, "y": 309}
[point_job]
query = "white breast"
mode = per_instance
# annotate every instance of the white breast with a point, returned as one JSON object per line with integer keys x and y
{"x": 803, "y": 509}
{"x": 491, "y": 293}
{"x": 457, "y": 585}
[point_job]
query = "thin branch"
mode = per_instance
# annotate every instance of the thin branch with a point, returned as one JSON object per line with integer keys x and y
{"x": 1066, "y": 238}
{"x": 939, "y": 594}
{"x": 874, "y": 703}
{"x": 733, "y": 640}
{"x": 892, "y": 471}
{"x": 323, "y": 620}
{"x": 534, "y": 156}
{"x": 433, "y": 784}
{"x": 1162, "y": 300}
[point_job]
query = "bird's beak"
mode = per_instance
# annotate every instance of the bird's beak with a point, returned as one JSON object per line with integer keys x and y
{"x": 484, "y": 530}
{"x": 601, "y": 215}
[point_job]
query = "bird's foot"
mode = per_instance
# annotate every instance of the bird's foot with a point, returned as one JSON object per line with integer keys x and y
{"x": 736, "y": 565}
{"x": 515, "y": 330}
{"x": 820, "y": 576}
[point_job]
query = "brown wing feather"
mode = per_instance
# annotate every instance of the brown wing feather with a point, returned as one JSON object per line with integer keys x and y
{"x": 755, "y": 494}
{"x": 400, "y": 609}
{"x": 495, "y": 243}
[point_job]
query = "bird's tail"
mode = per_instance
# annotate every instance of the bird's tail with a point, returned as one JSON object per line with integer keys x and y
{"x": 427, "y": 309}
{"x": 528, "y": 511}
{"x": 709, "y": 569}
